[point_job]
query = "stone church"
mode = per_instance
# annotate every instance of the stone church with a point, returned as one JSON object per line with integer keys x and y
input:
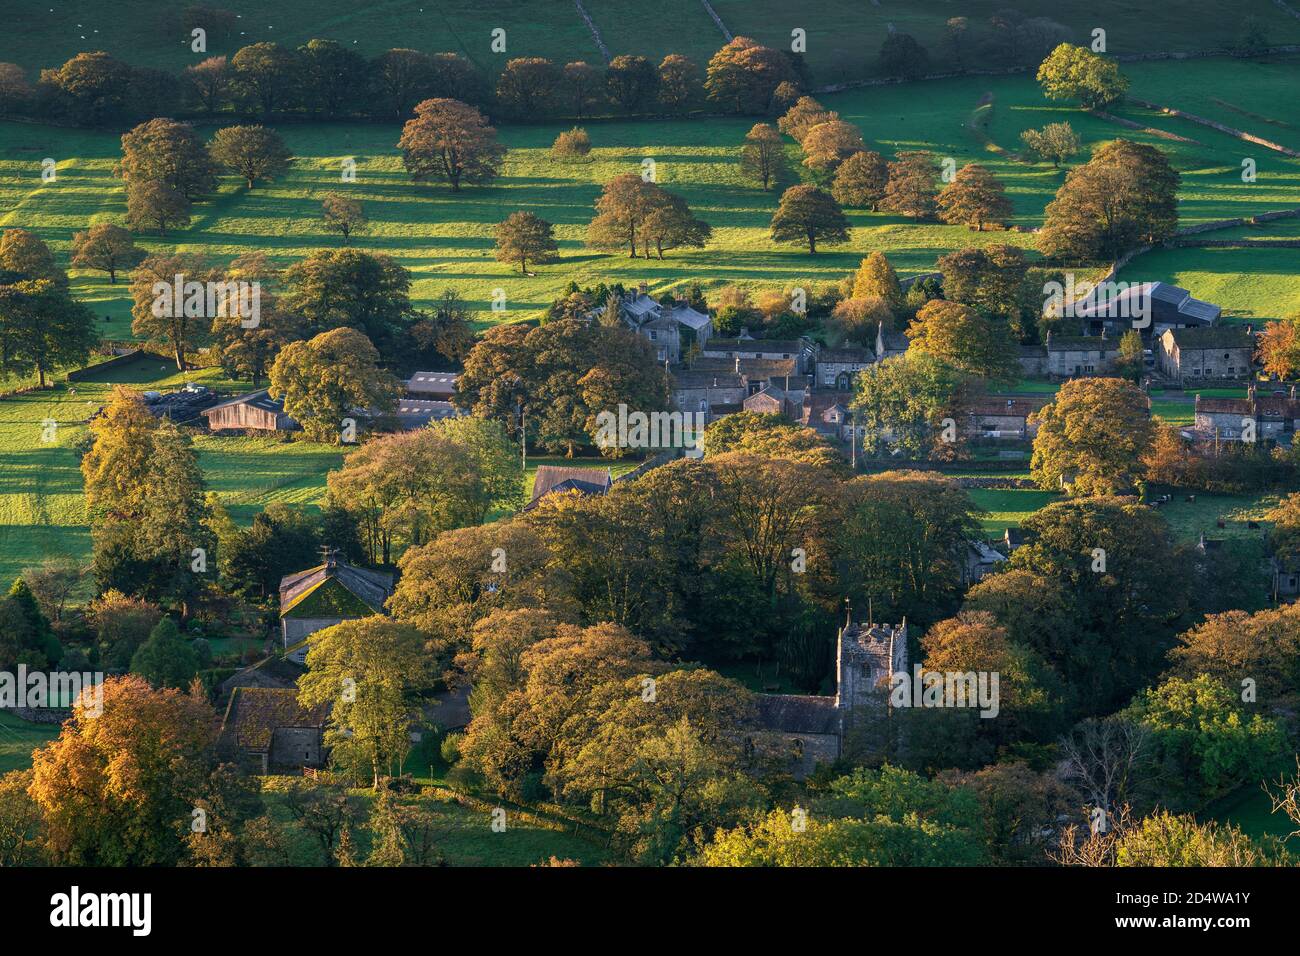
{"x": 806, "y": 729}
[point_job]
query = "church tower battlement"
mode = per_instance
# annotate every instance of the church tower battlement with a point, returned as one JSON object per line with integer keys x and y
{"x": 867, "y": 656}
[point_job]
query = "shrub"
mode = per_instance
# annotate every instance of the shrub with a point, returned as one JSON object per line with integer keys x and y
{"x": 571, "y": 145}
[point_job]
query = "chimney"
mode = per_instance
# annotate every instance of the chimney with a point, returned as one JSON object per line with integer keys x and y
{"x": 643, "y": 289}
{"x": 737, "y": 364}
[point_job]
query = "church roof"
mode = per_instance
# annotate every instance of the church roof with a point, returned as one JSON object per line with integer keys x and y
{"x": 798, "y": 714}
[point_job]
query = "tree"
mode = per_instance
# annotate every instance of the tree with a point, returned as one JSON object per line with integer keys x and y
{"x": 1131, "y": 363}
{"x": 52, "y": 582}
{"x": 343, "y": 214}
{"x": 93, "y": 88}
{"x": 582, "y": 86}
{"x": 265, "y": 74}
{"x": 444, "y": 332}
{"x": 828, "y": 144}
{"x": 860, "y": 180}
{"x": 974, "y": 197}
{"x": 1125, "y": 194}
{"x": 876, "y": 278}
{"x": 572, "y": 144}
{"x": 527, "y": 85}
{"x": 991, "y": 279}
{"x": 900, "y": 405}
{"x": 803, "y": 115}
{"x": 450, "y": 140}
{"x": 156, "y": 204}
{"x": 522, "y": 236}
{"x": 964, "y": 340}
{"x": 119, "y": 784}
{"x": 404, "y": 78}
{"x": 247, "y": 351}
{"x": 332, "y": 77}
{"x": 671, "y": 224}
{"x": 16, "y": 92}
{"x": 161, "y": 317}
{"x": 859, "y": 320}
{"x": 337, "y": 288}
{"x": 631, "y": 81}
{"x": 901, "y": 55}
{"x": 1237, "y": 646}
{"x": 167, "y": 152}
{"x": 763, "y": 157}
{"x": 382, "y": 662}
{"x": 771, "y": 436}
{"x": 911, "y": 190}
{"x": 1278, "y": 348}
{"x": 744, "y": 74}
{"x": 254, "y": 152}
{"x": 1092, "y": 437}
{"x": 105, "y": 248}
{"x": 1055, "y": 141}
{"x": 1075, "y": 72}
{"x": 25, "y": 256}
{"x": 319, "y": 401}
{"x": 42, "y": 328}
{"x": 114, "y": 468}
{"x": 679, "y": 82}
{"x": 807, "y": 214}
{"x": 624, "y": 203}
{"x": 165, "y": 659}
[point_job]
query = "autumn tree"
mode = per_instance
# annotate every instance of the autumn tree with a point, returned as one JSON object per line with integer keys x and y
{"x": 670, "y": 224}
{"x": 744, "y": 74}
{"x": 964, "y": 340}
{"x": 157, "y": 205}
{"x": 344, "y": 215}
{"x": 1092, "y": 437}
{"x": 158, "y": 316}
{"x": 581, "y": 86}
{"x": 859, "y": 320}
{"x": 806, "y": 214}
{"x": 876, "y": 279}
{"x": 1277, "y": 347}
{"x": 527, "y": 85}
{"x": 973, "y": 198}
{"x": 168, "y": 152}
{"x": 860, "y": 180}
{"x": 265, "y": 75}
{"x": 403, "y": 78}
{"x": 245, "y": 348}
{"x": 367, "y": 672}
{"x": 253, "y": 152}
{"x": 572, "y": 144}
{"x": 25, "y": 255}
{"x": 450, "y": 140}
{"x": 680, "y": 84}
{"x": 829, "y": 144}
{"x": 1076, "y": 73}
{"x": 325, "y": 378}
{"x": 105, "y": 248}
{"x": 911, "y": 190}
{"x": 1055, "y": 141}
{"x": 991, "y": 278}
{"x": 1125, "y": 195}
{"x": 368, "y": 291}
{"x": 803, "y": 115}
{"x": 632, "y": 212}
{"x": 762, "y": 157}
{"x": 522, "y": 236}
{"x": 631, "y": 81}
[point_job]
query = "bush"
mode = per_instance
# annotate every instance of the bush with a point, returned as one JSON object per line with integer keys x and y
{"x": 571, "y": 145}
{"x": 450, "y": 748}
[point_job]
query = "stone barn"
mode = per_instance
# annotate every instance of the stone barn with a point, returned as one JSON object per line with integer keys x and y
{"x": 328, "y": 594}
{"x": 266, "y": 730}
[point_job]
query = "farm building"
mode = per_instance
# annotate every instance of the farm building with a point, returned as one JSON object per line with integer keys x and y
{"x": 803, "y": 350}
{"x": 325, "y": 595}
{"x": 412, "y": 413}
{"x": 890, "y": 343}
{"x": 771, "y": 400}
{"x": 696, "y": 391}
{"x": 266, "y": 730}
{"x": 839, "y": 368}
{"x": 439, "y": 386}
{"x": 553, "y": 479}
{"x": 1254, "y": 418}
{"x": 1153, "y": 306}
{"x": 1002, "y": 418}
{"x": 182, "y": 407}
{"x": 1223, "y": 352}
{"x": 256, "y": 411}
{"x": 1072, "y": 355}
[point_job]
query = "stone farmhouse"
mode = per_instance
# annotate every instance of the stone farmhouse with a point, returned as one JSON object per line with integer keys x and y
{"x": 839, "y": 368}
{"x": 801, "y": 730}
{"x": 1005, "y": 418}
{"x": 670, "y": 330}
{"x": 711, "y": 392}
{"x": 328, "y": 594}
{"x": 1070, "y": 356}
{"x": 1169, "y": 307}
{"x": 1272, "y": 418}
{"x": 1224, "y": 353}
{"x": 890, "y": 343}
{"x": 266, "y": 730}
{"x": 803, "y": 350}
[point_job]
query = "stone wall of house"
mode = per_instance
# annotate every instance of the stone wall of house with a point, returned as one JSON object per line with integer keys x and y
{"x": 798, "y": 754}
{"x": 829, "y": 372}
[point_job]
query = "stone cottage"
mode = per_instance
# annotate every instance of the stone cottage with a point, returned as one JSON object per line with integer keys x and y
{"x": 1223, "y": 353}
{"x": 1070, "y": 356}
{"x": 266, "y": 730}
{"x": 802, "y": 730}
{"x": 671, "y": 330}
{"x": 839, "y": 368}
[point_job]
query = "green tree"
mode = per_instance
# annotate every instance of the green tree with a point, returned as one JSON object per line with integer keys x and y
{"x": 631, "y": 81}
{"x": 337, "y": 288}
{"x": 266, "y": 75}
{"x": 1076, "y": 73}
{"x": 1092, "y": 437}
{"x": 1055, "y": 141}
{"x": 165, "y": 659}
{"x": 900, "y": 405}
{"x": 806, "y": 214}
{"x": 528, "y": 85}
{"x": 325, "y": 378}
{"x": 253, "y": 152}
{"x": 522, "y": 236}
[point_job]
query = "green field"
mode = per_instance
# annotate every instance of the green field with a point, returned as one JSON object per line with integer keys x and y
{"x": 843, "y": 38}
{"x": 42, "y": 509}
{"x": 18, "y": 739}
{"x": 446, "y": 238}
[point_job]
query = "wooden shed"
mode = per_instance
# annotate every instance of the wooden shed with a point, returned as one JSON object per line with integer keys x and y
{"x": 257, "y": 411}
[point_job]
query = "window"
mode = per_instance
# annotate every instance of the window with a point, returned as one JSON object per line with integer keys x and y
{"x": 796, "y": 748}
{"x": 704, "y": 405}
{"x": 653, "y": 334}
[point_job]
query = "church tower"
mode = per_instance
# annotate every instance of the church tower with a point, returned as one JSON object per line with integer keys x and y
{"x": 867, "y": 656}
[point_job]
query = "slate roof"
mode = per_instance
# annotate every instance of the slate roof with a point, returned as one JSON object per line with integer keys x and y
{"x": 1168, "y": 303}
{"x": 792, "y": 346}
{"x": 691, "y": 378}
{"x": 1006, "y": 407}
{"x": 255, "y": 713}
{"x": 414, "y": 412}
{"x": 849, "y": 355}
{"x": 798, "y": 714}
{"x": 1216, "y": 337}
{"x": 550, "y": 477}
{"x": 372, "y": 588}
{"x": 1081, "y": 343}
